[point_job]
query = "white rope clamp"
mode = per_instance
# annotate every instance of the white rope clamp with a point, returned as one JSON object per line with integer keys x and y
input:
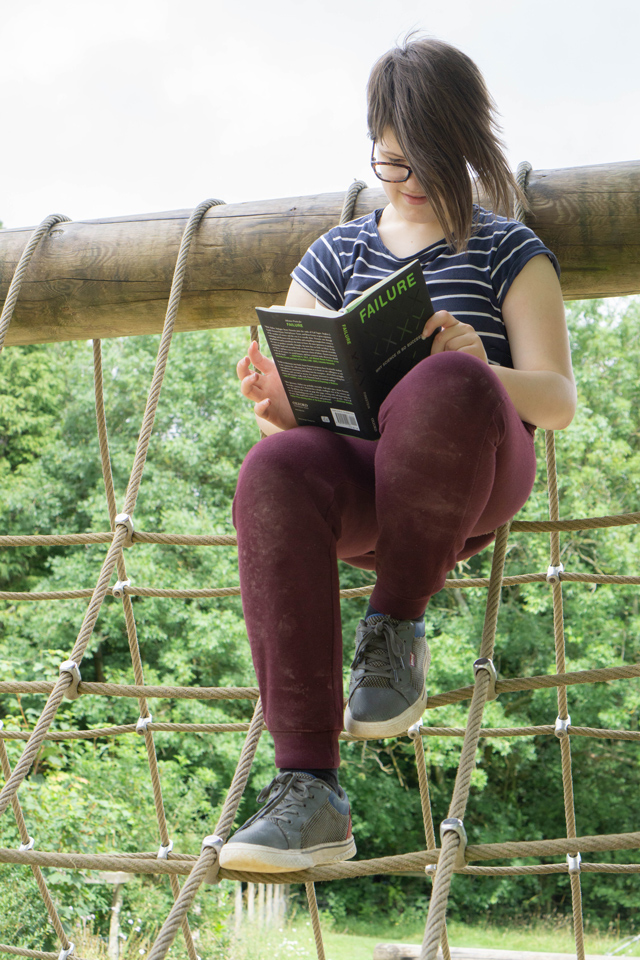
{"x": 25, "y": 847}
{"x": 66, "y": 953}
{"x": 574, "y": 863}
{"x": 163, "y": 852}
{"x": 142, "y": 725}
{"x": 455, "y": 825}
{"x": 484, "y": 663}
{"x": 415, "y": 730}
{"x": 123, "y": 519}
{"x": 213, "y": 873}
{"x": 118, "y": 589}
{"x": 71, "y": 667}
{"x": 562, "y": 727}
{"x": 553, "y": 573}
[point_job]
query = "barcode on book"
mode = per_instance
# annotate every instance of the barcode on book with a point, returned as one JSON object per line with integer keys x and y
{"x": 343, "y": 418}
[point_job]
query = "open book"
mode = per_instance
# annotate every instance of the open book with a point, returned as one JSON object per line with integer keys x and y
{"x": 338, "y": 366}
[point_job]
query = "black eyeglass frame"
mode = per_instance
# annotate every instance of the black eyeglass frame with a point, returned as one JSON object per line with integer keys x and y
{"x": 388, "y": 163}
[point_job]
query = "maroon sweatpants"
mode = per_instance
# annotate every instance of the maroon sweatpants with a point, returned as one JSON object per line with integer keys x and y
{"x": 453, "y": 462}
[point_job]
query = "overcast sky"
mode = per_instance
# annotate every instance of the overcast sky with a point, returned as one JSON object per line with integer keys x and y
{"x": 132, "y": 106}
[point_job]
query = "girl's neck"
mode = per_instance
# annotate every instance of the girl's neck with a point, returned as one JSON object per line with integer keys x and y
{"x": 404, "y": 238}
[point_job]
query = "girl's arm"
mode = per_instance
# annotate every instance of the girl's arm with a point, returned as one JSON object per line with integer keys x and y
{"x": 541, "y": 384}
{"x": 271, "y": 407}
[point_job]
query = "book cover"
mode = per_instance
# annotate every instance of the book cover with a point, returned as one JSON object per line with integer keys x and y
{"x": 338, "y": 366}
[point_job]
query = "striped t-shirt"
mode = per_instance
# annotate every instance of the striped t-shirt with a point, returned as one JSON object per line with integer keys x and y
{"x": 472, "y": 285}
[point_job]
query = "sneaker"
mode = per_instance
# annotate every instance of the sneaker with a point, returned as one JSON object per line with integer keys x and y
{"x": 387, "y": 692}
{"x": 303, "y": 823}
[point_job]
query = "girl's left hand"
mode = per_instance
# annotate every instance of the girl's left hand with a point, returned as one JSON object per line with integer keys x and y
{"x": 453, "y": 335}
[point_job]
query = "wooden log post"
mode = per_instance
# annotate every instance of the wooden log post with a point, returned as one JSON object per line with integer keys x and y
{"x": 237, "y": 912}
{"x": 107, "y": 278}
{"x": 403, "y": 951}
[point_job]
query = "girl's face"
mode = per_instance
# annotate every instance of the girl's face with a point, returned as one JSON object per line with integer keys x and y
{"x": 407, "y": 198}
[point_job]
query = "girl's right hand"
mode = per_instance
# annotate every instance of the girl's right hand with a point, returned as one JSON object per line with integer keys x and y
{"x": 264, "y": 387}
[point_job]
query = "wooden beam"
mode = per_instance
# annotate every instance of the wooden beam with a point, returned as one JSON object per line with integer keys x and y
{"x": 403, "y": 951}
{"x": 111, "y": 277}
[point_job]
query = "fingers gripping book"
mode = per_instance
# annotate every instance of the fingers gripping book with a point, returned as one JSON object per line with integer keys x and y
{"x": 338, "y": 366}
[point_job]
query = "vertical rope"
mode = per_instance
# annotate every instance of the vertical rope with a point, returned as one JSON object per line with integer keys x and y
{"x": 563, "y": 704}
{"x": 315, "y": 919}
{"x": 132, "y": 633}
{"x": 446, "y": 863}
{"x": 16, "y": 282}
{"x": 163, "y": 354}
{"x": 494, "y": 591}
{"x": 427, "y": 819}
{"x": 208, "y": 862}
{"x": 37, "y": 872}
{"x": 350, "y": 200}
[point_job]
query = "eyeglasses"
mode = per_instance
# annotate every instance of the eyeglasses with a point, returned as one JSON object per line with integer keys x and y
{"x": 390, "y": 172}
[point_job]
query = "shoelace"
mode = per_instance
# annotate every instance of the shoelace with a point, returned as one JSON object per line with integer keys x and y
{"x": 287, "y": 800}
{"x": 380, "y": 641}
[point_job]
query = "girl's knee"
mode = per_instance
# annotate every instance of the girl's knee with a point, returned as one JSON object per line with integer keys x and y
{"x": 280, "y": 465}
{"x": 446, "y": 381}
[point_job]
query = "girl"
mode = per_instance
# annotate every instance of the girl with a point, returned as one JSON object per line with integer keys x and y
{"x": 454, "y": 461}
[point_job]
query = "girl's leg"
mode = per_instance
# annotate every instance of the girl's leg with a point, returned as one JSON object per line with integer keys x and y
{"x": 299, "y": 492}
{"x": 454, "y": 462}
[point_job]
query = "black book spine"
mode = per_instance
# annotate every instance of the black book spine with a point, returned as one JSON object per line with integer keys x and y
{"x": 365, "y": 406}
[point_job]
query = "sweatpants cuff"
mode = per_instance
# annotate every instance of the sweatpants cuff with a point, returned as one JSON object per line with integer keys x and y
{"x": 400, "y": 609}
{"x": 301, "y": 751}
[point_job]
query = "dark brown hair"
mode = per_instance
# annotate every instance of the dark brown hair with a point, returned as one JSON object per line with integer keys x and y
{"x": 435, "y": 101}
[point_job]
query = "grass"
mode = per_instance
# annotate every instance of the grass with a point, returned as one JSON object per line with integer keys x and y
{"x": 295, "y": 941}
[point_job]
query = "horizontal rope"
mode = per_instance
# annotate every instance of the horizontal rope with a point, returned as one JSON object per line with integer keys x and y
{"x": 548, "y": 868}
{"x": 97, "y": 732}
{"x": 402, "y": 863}
{"x": 586, "y": 523}
{"x": 75, "y": 539}
{"x": 545, "y": 681}
{"x": 40, "y": 954}
{"x": 68, "y": 539}
{"x": 131, "y": 690}
{"x": 203, "y": 593}
{"x": 546, "y": 730}
{"x": 346, "y": 594}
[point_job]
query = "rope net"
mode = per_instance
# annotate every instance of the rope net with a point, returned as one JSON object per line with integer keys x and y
{"x": 440, "y": 863}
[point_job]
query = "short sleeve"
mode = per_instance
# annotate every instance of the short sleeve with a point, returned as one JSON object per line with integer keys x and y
{"x": 517, "y": 246}
{"x": 320, "y": 273}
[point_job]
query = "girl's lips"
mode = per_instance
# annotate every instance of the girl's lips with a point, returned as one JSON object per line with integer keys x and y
{"x": 415, "y": 200}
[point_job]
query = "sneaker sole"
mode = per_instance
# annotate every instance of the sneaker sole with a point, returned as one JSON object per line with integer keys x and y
{"x": 394, "y": 727}
{"x": 255, "y": 858}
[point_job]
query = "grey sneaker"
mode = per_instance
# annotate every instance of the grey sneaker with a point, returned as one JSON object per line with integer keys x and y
{"x": 387, "y": 692}
{"x": 303, "y": 823}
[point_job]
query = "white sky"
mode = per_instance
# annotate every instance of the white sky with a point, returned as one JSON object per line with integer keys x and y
{"x": 132, "y": 106}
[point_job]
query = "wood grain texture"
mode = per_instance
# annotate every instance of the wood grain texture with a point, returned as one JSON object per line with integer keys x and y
{"x": 111, "y": 277}
{"x": 404, "y": 951}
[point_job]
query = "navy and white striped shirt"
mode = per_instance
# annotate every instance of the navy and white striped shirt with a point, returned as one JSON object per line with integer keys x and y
{"x": 472, "y": 285}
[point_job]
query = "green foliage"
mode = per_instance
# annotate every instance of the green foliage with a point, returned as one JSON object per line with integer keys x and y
{"x": 95, "y": 796}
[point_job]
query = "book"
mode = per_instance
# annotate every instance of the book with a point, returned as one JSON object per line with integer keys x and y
{"x": 337, "y": 367}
